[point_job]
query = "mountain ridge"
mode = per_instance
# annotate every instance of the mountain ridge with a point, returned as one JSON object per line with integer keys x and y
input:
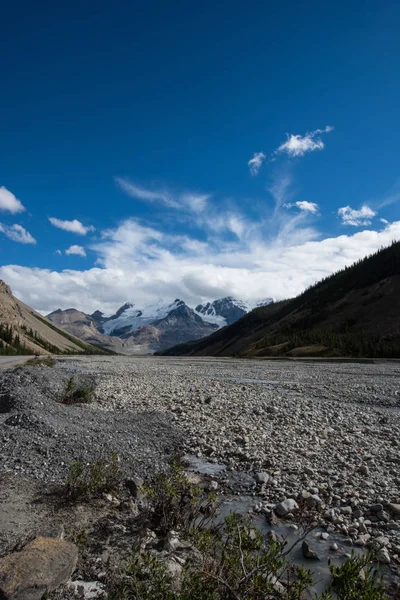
{"x": 132, "y": 329}
{"x": 24, "y": 331}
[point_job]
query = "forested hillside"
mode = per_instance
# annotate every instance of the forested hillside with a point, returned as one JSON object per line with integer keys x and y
{"x": 355, "y": 312}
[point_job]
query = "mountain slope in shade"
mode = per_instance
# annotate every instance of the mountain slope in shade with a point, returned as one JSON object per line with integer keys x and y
{"x": 355, "y": 312}
{"x": 24, "y": 331}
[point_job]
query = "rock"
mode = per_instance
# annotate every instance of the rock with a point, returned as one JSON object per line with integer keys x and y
{"x": 41, "y": 566}
{"x": 287, "y": 506}
{"x": 174, "y": 570}
{"x": 383, "y": 516}
{"x": 334, "y": 547}
{"x": 324, "y": 535}
{"x": 261, "y": 478}
{"x": 313, "y": 501}
{"x": 394, "y": 509}
{"x": 173, "y": 543}
{"x": 376, "y": 508}
{"x": 134, "y": 484}
{"x": 308, "y": 552}
{"x": 213, "y": 486}
{"x": 87, "y": 590}
{"x": 346, "y": 510}
{"x": 363, "y": 470}
{"x": 383, "y": 556}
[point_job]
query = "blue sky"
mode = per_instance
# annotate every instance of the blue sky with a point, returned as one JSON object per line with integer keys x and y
{"x": 194, "y": 150}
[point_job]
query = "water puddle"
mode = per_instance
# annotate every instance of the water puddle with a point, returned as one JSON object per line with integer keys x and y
{"x": 204, "y": 467}
{"x": 246, "y": 505}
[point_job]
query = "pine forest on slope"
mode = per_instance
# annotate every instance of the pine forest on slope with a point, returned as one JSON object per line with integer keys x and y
{"x": 354, "y": 312}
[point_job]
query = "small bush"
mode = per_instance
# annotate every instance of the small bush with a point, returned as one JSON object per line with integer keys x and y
{"x": 74, "y": 394}
{"x": 89, "y": 480}
{"x": 176, "y": 503}
{"x": 357, "y": 579}
{"x": 46, "y": 361}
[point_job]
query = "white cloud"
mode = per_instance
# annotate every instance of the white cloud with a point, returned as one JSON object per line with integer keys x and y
{"x": 311, "y": 207}
{"x": 140, "y": 193}
{"x": 356, "y": 218}
{"x": 196, "y": 202}
{"x": 74, "y": 226}
{"x": 298, "y": 145}
{"x": 17, "y": 233}
{"x": 256, "y": 162}
{"x": 140, "y": 264}
{"x": 9, "y": 202}
{"x": 79, "y": 250}
{"x": 58, "y": 252}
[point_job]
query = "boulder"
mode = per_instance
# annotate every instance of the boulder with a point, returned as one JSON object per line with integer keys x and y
{"x": 261, "y": 477}
{"x": 287, "y": 506}
{"x": 41, "y": 566}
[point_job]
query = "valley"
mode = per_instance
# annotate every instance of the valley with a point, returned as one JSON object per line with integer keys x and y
{"x": 258, "y": 432}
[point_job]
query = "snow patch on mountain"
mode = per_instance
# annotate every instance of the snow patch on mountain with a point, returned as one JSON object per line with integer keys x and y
{"x": 129, "y": 318}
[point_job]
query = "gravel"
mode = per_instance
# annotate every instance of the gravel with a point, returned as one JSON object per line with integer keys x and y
{"x": 322, "y": 432}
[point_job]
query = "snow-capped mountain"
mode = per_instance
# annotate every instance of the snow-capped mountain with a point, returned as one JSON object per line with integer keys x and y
{"x": 226, "y": 311}
{"x": 129, "y": 318}
{"x": 143, "y": 330}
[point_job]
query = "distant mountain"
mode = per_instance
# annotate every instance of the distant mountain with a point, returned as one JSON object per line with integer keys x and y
{"x": 227, "y": 310}
{"x": 24, "y": 331}
{"x": 136, "y": 331}
{"x": 143, "y": 330}
{"x": 355, "y": 312}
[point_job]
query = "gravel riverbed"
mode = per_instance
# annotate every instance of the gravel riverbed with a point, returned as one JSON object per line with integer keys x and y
{"x": 327, "y": 433}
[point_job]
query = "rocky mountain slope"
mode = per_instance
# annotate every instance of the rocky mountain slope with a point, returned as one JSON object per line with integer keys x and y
{"x": 24, "y": 331}
{"x": 354, "y": 312}
{"x": 134, "y": 330}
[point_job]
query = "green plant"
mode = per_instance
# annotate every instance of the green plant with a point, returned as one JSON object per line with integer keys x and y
{"x": 74, "y": 394}
{"x": 89, "y": 480}
{"x": 357, "y": 579}
{"x": 46, "y": 361}
{"x": 176, "y": 503}
{"x": 81, "y": 538}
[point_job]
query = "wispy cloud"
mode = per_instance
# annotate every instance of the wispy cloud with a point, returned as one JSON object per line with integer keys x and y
{"x": 133, "y": 190}
{"x": 256, "y": 162}
{"x": 17, "y": 233}
{"x": 9, "y": 202}
{"x": 299, "y": 145}
{"x": 356, "y": 218}
{"x": 187, "y": 201}
{"x": 195, "y": 202}
{"x": 392, "y": 196}
{"x": 78, "y": 250}
{"x": 74, "y": 226}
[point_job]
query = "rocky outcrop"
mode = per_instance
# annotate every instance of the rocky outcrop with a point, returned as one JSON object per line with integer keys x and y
{"x": 42, "y": 566}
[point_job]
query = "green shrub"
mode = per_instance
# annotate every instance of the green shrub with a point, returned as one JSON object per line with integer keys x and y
{"x": 74, "y": 394}
{"x": 357, "y": 579}
{"x": 89, "y": 480}
{"x": 176, "y": 503}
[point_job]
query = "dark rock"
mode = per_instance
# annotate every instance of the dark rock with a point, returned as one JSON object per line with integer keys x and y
{"x": 308, "y": 552}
